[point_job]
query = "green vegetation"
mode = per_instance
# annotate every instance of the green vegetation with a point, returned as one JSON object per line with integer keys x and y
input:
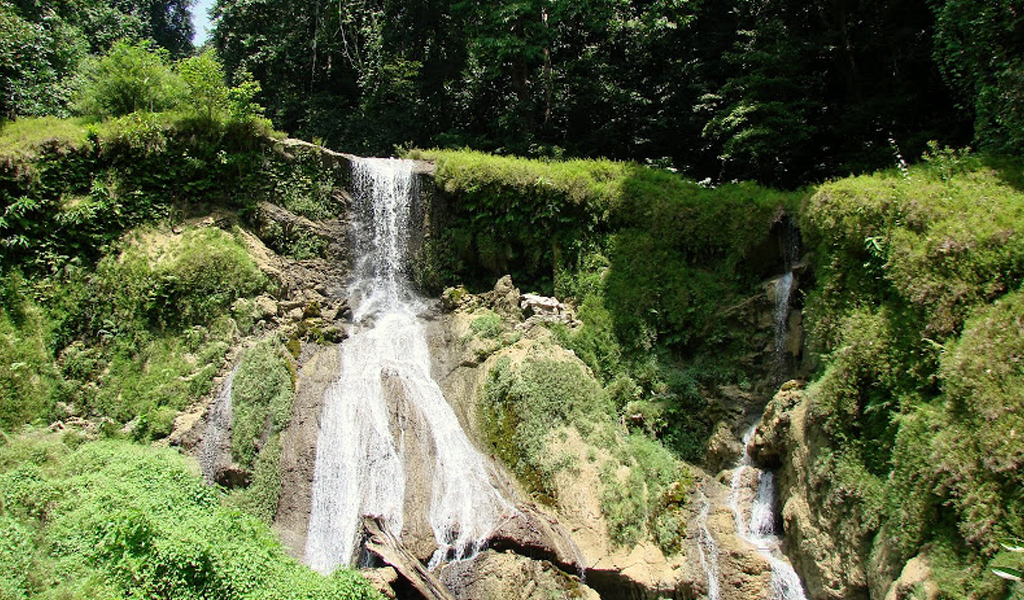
{"x": 522, "y": 404}
{"x": 117, "y": 309}
{"x": 917, "y": 313}
{"x": 112, "y": 519}
{"x": 130, "y": 77}
{"x": 44, "y": 45}
{"x": 913, "y": 309}
{"x": 529, "y": 407}
{"x": 658, "y": 266}
{"x": 261, "y": 400}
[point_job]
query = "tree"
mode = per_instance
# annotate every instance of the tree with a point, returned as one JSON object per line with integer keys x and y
{"x": 43, "y": 44}
{"x": 129, "y": 78}
{"x": 36, "y": 63}
{"x": 204, "y": 84}
{"x": 978, "y": 49}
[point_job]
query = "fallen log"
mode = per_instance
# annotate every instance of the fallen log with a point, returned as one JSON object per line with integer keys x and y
{"x": 382, "y": 542}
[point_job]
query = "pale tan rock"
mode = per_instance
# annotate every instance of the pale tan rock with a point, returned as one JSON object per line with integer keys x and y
{"x": 382, "y": 580}
{"x": 508, "y": 576}
{"x": 914, "y": 582}
{"x": 266, "y": 307}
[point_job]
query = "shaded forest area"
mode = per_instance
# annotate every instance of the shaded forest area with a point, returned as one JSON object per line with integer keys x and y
{"x": 778, "y": 91}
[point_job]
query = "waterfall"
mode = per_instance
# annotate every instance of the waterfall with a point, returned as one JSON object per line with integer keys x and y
{"x": 384, "y": 386}
{"x": 780, "y": 314}
{"x": 708, "y": 549}
{"x": 789, "y": 240}
{"x": 759, "y": 528}
{"x": 217, "y": 434}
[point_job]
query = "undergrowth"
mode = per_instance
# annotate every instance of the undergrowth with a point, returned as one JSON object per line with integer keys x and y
{"x": 112, "y": 519}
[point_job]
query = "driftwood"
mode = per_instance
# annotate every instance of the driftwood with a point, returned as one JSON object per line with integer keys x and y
{"x": 384, "y": 544}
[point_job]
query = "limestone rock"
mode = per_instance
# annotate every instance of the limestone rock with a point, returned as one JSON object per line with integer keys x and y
{"x": 507, "y": 576}
{"x": 723, "y": 448}
{"x": 539, "y": 536}
{"x": 383, "y": 580}
{"x": 824, "y": 548}
{"x": 768, "y": 446}
{"x": 540, "y": 309}
{"x": 454, "y": 298}
{"x": 504, "y": 298}
{"x": 914, "y": 582}
{"x": 266, "y": 307}
{"x": 298, "y": 448}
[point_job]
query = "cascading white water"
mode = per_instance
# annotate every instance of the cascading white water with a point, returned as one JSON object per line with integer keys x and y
{"x": 384, "y": 383}
{"x": 708, "y": 549}
{"x": 217, "y": 434}
{"x": 759, "y": 528}
{"x": 780, "y": 312}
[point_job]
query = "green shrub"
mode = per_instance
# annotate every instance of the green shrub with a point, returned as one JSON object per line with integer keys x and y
{"x": 130, "y": 77}
{"x": 260, "y": 498}
{"x": 261, "y": 399}
{"x": 123, "y": 520}
{"x": 646, "y": 503}
{"x": 207, "y": 93}
{"x": 523, "y": 403}
{"x": 15, "y": 559}
{"x": 28, "y": 380}
{"x": 487, "y": 325}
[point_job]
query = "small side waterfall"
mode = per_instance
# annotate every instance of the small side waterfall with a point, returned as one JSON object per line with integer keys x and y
{"x": 384, "y": 386}
{"x": 758, "y": 525}
{"x": 217, "y": 435}
{"x": 708, "y": 550}
{"x": 789, "y": 240}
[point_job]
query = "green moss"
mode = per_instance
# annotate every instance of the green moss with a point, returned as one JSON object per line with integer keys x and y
{"x": 918, "y": 312}
{"x": 647, "y": 502}
{"x": 261, "y": 399}
{"x": 523, "y": 403}
{"x": 487, "y": 325}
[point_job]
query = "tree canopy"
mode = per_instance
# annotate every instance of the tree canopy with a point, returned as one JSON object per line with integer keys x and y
{"x": 43, "y": 44}
{"x": 776, "y": 90}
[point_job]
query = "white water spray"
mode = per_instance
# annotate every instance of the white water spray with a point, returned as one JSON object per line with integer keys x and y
{"x": 384, "y": 383}
{"x": 759, "y": 528}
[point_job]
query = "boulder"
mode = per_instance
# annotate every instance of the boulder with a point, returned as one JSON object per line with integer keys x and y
{"x": 508, "y": 576}
{"x": 504, "y": 299}
{"x": 539, "y": 309}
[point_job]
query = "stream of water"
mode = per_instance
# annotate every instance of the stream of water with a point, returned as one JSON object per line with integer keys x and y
{"x": 217, "y": 435}
{"x": 385, "y": 383}
{"x": 708, "y": 550}
{"x": 757, "y": 525}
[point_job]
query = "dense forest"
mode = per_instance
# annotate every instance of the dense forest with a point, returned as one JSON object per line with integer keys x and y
{"x": 643, "y": 161}
{"x": 777, "y": 91}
